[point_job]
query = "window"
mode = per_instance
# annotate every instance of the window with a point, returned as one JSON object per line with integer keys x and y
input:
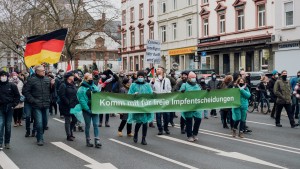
{"x": 163, "y": 34}
{"x": 205, "y": 1}
{"x": 205, "y": 27}
{"x": 132, "y": 15}
{"x": 189, "y": 2}
{"x": 289, "y": 13}
{"x": 141, "y": 36}
{"x": 240, "y": 20}
{"x": 125, "y": 64}
{"x": 222, "y": 24}
{"x": 151, "y": 33}
{"x": 141, "y": 11}
{"x": 189, "y": 28}
{"x": 131, "y": 63}
{"x": 261, "y": 15}
{"x": 174, "y": 4}
{"x": 174, "y": 27}
{"x": 163, "y": 7}
{"x": 124, "y": 41}
{"x": 124, "y": 17}
{"x": 151, "y": 8}
{"x": 132, "y": 39}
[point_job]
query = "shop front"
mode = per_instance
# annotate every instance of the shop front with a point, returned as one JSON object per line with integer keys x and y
{"x": 252, "y": 56}
{"x": 183, "y": 58}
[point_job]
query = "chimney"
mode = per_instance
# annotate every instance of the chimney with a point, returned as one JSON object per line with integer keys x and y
{"x": 103, "y": 16}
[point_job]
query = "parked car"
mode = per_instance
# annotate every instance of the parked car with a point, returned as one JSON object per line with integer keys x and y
{"x": 255, "y": 79}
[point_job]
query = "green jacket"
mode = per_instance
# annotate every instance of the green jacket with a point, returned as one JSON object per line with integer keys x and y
{"x": 82, "y": 95}
{"x": 282, "y": 90}
{"x": 187, "y": 87}
{"x": 245, "y": 95}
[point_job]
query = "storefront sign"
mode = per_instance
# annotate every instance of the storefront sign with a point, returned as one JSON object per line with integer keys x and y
{"x": 288, "y": 46}
{"x": 197, "y": 58}
{"x": 153, "y": 51}
{"x": 182, "y": 51}
{"x": 212, "y": 39}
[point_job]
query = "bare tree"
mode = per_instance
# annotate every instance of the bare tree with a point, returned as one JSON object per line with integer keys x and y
{"x": 23, "y": 18}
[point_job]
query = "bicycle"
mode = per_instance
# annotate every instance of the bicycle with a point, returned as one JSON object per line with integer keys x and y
{"x": 254, "y": 104}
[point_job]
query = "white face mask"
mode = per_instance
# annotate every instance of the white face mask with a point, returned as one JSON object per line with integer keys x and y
{"x": 15, "y": 77}
{"x": 61, "y": 73}
{"x": 3, "y": 78}
{"x": 193, "y": 80}
{"x": 160, "y": 77}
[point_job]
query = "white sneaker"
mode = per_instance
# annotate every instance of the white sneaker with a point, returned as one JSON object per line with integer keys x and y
{"x": 1, "y": 148}
{"x": 191, "y": 139}
{"x": 195, "y": 138}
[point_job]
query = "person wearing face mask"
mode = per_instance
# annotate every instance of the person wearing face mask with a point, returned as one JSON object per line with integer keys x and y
{"x": 109, "y": 82}
{"x": 295, "y": 102}
{"x": 239, "y": 114}
{"x": 124, "y": 116}
{"x": 282, "y": 90}
{"x": 38, "y": 92}
{"x": 18, "y": 111}
{"x": 225, "y": 112}
{"x": 213, "y": 85}
{"x": 58, "y": 81}
{"x": 271, "y": 89}
{"x": 141, "y": 119}
{"x": 184, "y": 76}
{"x": 203, "y": 86}
{"x": 192, "y": 131}
{"x": 161, "y": 84}
{"x": 262, "y": 90}
{"x": 84, "y": 94}
{"x": 9, "y": 99}
{"x": 67, "y": 94}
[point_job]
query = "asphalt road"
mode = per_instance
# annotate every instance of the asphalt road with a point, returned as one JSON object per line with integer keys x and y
{"x": 267, "y": 147}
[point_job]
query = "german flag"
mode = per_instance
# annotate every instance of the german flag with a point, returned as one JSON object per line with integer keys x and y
{"x": 45, "y": 48}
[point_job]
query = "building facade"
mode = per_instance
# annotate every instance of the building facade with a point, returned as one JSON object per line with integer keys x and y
{"x": 286, "y": 37}
{"x": 235, "y": 34}
{"x": 178, "y": 32}
{"x": 139, "y": 19}
{"x": 10, "y": 61}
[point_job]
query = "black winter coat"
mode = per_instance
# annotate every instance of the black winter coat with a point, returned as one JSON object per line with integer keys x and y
{"x": 68, "y": 98}
{"x": 37, "y": 92}
{"x": 9, "y": 94}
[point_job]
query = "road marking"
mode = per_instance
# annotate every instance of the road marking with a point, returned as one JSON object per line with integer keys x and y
{"x": 59, "y": 120}
{"x": 250, "y": 141}
{"x": 234, "y": 155}
{"x": 93, "y": 164}
{"x": 267, "y": 124}
{"x": 154, "y": 154}
{"x": 6, "y": 162}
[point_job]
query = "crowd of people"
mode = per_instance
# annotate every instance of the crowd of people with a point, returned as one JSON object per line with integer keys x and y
{"x": 33, "y": 96}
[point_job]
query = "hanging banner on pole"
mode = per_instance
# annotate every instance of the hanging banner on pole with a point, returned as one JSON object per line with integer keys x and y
{"x": 104, "y": 103}
{"x": 153, "y": 51}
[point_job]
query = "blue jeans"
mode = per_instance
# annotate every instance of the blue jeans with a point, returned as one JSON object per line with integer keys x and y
{"x": 41, "y": 118}
{"x": 28, "y": 113}
{"x": 6, "y": 113}
{"x": 166, "y": 117}
{"x": 88, "y": 118}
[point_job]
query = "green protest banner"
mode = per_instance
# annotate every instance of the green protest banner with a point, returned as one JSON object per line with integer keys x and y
{"x": 104, "y": 103}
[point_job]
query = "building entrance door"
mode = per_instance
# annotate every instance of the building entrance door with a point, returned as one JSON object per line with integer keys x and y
{"x": 249, "y": 61}
{"x": 226, "y": 63}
